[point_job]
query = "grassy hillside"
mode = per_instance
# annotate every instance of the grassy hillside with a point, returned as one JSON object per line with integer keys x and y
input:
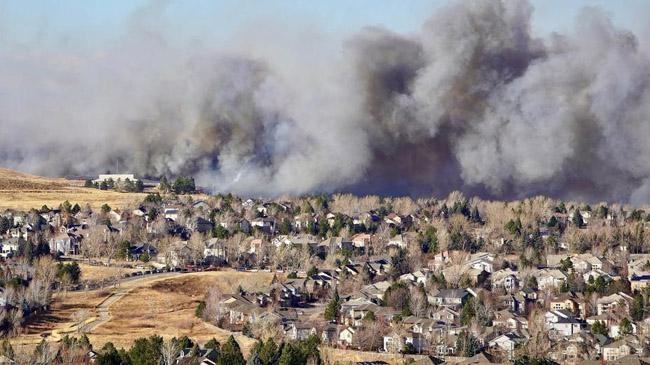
{"x": 24, "y": 191}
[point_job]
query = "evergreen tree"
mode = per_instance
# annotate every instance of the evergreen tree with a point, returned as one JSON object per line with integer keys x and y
{"x": 231, "y": 353}
{"x": 268, "y": 352}
{"x": 146, "y": 351}
{"x": 333, "y": 307}
{"x": 599, "y": 328}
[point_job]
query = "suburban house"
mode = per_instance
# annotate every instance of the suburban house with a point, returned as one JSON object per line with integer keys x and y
{"x": 563, "y": 322}
{"x": 507, "y": 343}
{"x": 451, "y": 297}
{"x": 550, "y": 278}
{"x": 617, "y": 300}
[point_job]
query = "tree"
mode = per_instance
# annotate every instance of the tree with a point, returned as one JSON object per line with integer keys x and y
{"x": 467, "y": 344}
{"x": 429, "y": 240}
{"x": 213, "y": 344}
{"x": 109, "y": 355}
{"x": 220, "y": 232}
{"x": 70, "y": 271}
{"x": 231, "y": 353}
{"x": 625, "y": 327}
{"x": 5, "y": 224}
{"x": 139, "y": 186}
{"x": 400, "y": 264}
{"x": 268, "y": 352}
{"x": 599, "y": 328}
{"x": 468, "y": 313}
{"x": 66, "y": 206}
{"x": 153, "y": 198}
{"x": 577, "y": 219}
{"x": 183, "y": 185}
{"x": 290, "y": 355}
{"x": 146, "y": 351}
{"x": 333, "y": 307}
{"x": 637, "y": 311}
{"x": 106, "y": 208}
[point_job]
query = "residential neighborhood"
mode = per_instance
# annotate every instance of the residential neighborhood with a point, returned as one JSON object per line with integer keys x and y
{"x": 453, "y": 280}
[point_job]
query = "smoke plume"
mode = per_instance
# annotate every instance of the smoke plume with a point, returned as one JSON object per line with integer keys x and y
{"x": 474, "y": 101}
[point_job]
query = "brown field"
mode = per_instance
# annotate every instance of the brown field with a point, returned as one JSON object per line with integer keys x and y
{"x": 162, "y": 304}
{"x": 91, "y": 272}
{"x": 22, "y": 191}
{"x": 345, "y": 357}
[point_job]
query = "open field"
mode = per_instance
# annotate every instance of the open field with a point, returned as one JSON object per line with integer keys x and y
{"x": 91, "y": 272}
{"x": 345, "y": 357}
{"x": 162, "y": 304}
{"x": 24, "y": 191}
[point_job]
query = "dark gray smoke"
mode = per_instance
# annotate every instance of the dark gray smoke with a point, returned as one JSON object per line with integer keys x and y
{"x": 474, "y": 102}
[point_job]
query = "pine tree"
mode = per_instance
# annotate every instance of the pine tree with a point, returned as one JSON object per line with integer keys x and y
{"x": 231, "y": 353}
{"x": 333, "y": 307}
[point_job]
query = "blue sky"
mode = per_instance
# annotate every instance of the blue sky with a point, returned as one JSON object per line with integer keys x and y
{"x": 88, "y": 22}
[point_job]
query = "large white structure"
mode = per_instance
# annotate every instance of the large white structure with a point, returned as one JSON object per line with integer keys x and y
{"x": 115, "y": 177}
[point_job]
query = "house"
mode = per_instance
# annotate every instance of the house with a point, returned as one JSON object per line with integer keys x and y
{"x": 347, "y": 336}
{"x": 238, "y": 309}
{"x": 506, "y": 279}
{"x": 330, "y": 334}
{"x": 361, "y": 240}
{"x": 482, "y": 261}
{"x": 417, "y": 277}
{"x": 138, "y": 250}
{"x": 395, "y": 342}
{"x": 563, "y": 322}
{"x": 9, "y": 247}
{"x": 446, "y": 315}
{"x": 564, "y": 302}
{"x": 290, "y": 293}
{"x": 266, "y": 225}
{"x": 333, "y": 244}
{"x": 638, "y": 282}
{"x": 171, "y": 213}
{"x": 66, "y": 243}
{"x": 509, "y": 321}
{"x": 507, "y": 343}
{"x": 399, "y": 241}
{"x": 304, "y": 221}
{"x": 201, "y": 225}
{"x": 215, "y": 248}
{"x": 550, "y": 278}
{"x": 299, "y": 331}
{"x": 617, "y": 300}
{"x": 451, "y": 297}
{"x": 616, "y": 350}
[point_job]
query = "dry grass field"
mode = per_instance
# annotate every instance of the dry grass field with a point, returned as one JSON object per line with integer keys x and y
{"x": 91, "y": 272}
{"x": 23, "y": 191}
{"x": 345, "y": 357}
{"x": 163, "y": 304}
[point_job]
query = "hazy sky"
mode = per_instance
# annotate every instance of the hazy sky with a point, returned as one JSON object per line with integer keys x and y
{"x": 64, "y": 23}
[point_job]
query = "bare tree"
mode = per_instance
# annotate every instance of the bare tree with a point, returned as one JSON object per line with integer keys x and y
{"x": 169, "y": 352}
{"x": 214, "y": 311}
{"x": 419, "y": 301}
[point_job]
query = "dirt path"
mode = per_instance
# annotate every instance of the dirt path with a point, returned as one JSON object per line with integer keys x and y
{"x": 103, "y": 309}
